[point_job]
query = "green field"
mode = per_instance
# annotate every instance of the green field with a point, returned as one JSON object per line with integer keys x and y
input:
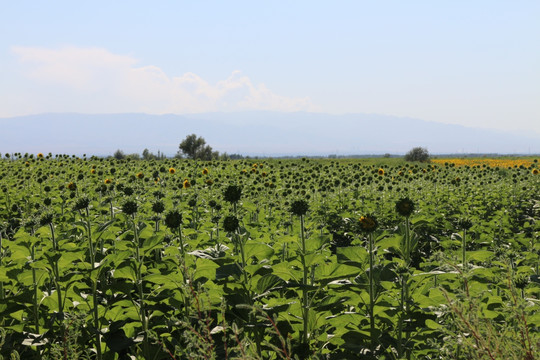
{"x": 269, "y": 259}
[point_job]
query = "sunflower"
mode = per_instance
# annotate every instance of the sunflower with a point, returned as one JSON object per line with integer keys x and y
{"x": 368, "y": 223}
{"x": 381, "y": 171}
{"x": 172, "y": 170}
{"x": 232, "y": 194}
{"x": 535, "y": 172}
{"x": 230, "y": 223}
{"x": 173, "y": 219}
{"x": 40, "y": 155}
{"x": 140, "y": 175}
{"x": 205, "y": 171}
{"x": 72, "y": 186}
{"x": 107, "y": 181}
{"x": 187, "y": 184}
{"x": 299, "y": 207}
{"x": 92, "y": 171}
{"x": 405, "y": 207}
{"x": 129, "y": 207}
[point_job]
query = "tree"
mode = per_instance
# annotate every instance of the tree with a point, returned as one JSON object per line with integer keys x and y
{"x": 195, "y": 148}
{"x": 417, "y": 154}
{"x": 119, "y": 154}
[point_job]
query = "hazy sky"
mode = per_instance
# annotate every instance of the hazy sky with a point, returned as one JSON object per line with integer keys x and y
{"x": 474, "y": 63}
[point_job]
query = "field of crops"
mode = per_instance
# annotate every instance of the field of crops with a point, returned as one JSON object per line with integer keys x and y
{"x": 268, "y": 259}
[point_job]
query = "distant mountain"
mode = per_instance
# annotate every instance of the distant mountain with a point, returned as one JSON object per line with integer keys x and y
{"x": 258, "y": 133}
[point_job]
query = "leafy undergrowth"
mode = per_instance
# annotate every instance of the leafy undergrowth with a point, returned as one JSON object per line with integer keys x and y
{"x": 303, "y": 259}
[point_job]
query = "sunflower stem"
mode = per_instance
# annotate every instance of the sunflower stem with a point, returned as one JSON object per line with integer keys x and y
{"x": 371, "y": 294}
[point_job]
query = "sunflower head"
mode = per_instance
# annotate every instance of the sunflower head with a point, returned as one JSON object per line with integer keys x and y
{"x": 232, "y": 193}
{"x": 140, "y": 175}
{"x": 173, "y": 219}
{"x": 81, "y": 203}
{"x": 72, "y": 186}
{"x": 158, "y": 207}
{"x": 535, "y": 171}
{"x": 46, "y": 219}
{"x": 205, "y": 171}
{"x": 186, "y": 184}
{"x": 129, "y": 207}
{"x": 368, "y": 223}
{"x": 172, "y": 170}
{"x": 465, "y": 223}
{"x": 40, "y": 155}
{"x": 380, "y": 171}
{"x": 299, "y": 207}
{"x": 230, "y": 223}
{"x": 405, "y": 207}
{"x": 107, "y": 181}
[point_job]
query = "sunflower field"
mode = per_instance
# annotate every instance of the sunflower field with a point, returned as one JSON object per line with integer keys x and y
{"x": 268, "y": 259}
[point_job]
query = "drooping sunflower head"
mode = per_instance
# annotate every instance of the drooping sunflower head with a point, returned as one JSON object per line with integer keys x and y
{"x": 368, "y": 223}
{"x": 299, "y": 207}
{"x": 129, "y": 207}
{"x": 232, "y": 194}
{"x": 158, "y": 207}
{"x": 405, "y": 207}
{"x": 173, "y": 219}
{"x": 230, "y": 223}
{"x": 81, "y": 203}
{"x": 186, "y": 184}
{"x": 46, "y": 219}
{"x": 72, "y": 186}
{"x": 465, "y": 223}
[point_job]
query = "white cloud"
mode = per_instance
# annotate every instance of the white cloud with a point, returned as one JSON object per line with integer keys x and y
{"x": 99, "y": 81}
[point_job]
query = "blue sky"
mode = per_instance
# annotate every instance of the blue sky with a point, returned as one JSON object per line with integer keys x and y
{"x": 475, "y": 63}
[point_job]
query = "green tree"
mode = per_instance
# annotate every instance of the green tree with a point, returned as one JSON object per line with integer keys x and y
{"x": 195, "y": 148}
{"x": 417, "y": 154}
{"x": 119, "y": 154}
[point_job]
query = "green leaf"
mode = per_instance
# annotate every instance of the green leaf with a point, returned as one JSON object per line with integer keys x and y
{"x": 267, "y": 282}
{"x": 259, "y": 250}
{"x": 125, "y": 272}
{"x": 433, "y": 325}
{"x": 205, "y": 268}
{"x": 352, "y": 255}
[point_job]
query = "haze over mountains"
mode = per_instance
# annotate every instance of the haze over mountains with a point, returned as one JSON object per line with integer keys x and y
{"x": 255, "y": 133}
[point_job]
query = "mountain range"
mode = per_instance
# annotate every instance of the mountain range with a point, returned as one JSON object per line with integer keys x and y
{"x": 255, "y": 133}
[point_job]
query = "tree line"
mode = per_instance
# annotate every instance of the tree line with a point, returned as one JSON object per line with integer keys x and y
{"x": 192, "y": 147}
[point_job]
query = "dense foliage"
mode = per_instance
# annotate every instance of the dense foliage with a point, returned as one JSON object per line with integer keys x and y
{"x": 278, "y": 259}
{"x": 417, "y": 154}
